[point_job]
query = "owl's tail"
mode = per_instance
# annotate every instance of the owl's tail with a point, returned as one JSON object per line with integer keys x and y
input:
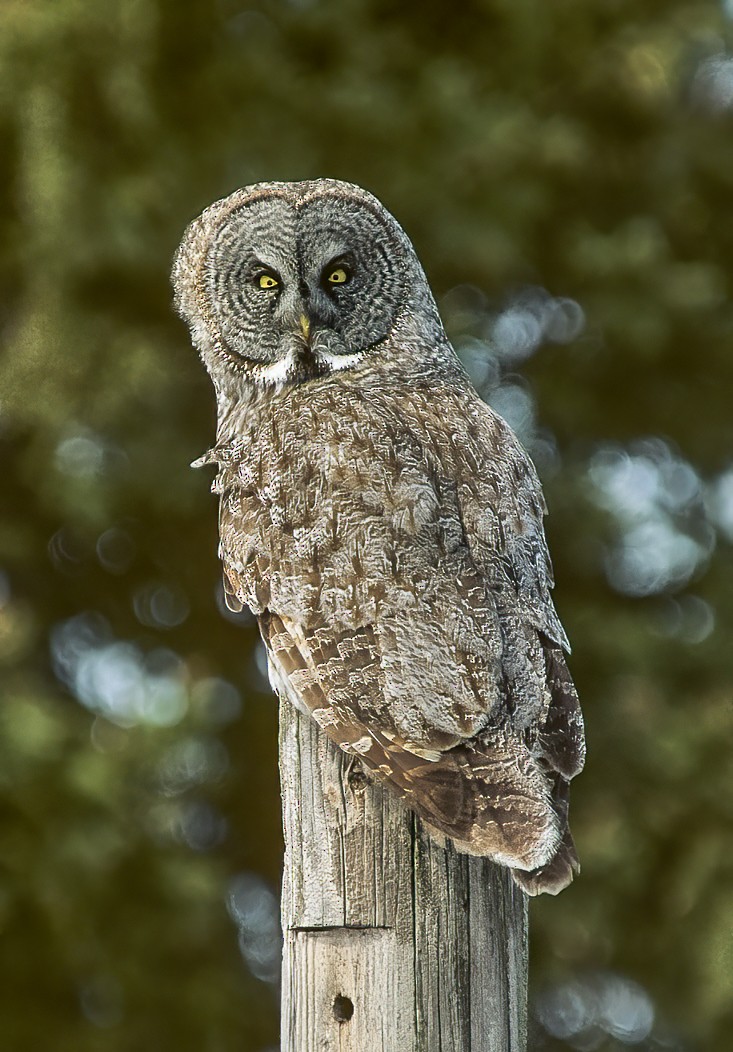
{"x": 556, "y": 874}
{"x": 551, "y": 878}
{"x": 493, "y": 799}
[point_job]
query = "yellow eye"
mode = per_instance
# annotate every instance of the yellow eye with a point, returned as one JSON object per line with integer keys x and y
{"x": 338, "y": 276}
{"x": 267, "y": 281}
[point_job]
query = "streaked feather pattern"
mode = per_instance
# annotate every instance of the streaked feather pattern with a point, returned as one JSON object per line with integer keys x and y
{"x": 386, "y": 528}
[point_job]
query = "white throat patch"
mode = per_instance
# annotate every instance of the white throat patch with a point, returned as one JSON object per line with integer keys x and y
{"x": 279, "y": 372}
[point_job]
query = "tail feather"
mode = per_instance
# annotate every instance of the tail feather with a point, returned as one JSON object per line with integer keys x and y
{"x": 555, "y": 875}
{"x": 492, "y": 799}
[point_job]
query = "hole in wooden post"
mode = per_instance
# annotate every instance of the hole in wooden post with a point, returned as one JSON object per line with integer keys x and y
{"x": 343, "y": 1008}
{"x": 357, "y": 778}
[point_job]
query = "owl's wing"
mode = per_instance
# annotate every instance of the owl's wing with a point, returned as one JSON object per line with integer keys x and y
{"x": 490, "y": 791}
{"x": 403, "y": 595}
{"x": 502, "y": 510}
{"x": 485, "y": 793}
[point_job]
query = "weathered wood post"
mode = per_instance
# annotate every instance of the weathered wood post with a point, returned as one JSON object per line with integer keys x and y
{"x": 392, "y": 943}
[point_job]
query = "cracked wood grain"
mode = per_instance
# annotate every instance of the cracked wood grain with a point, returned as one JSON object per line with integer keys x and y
{"x": 392, "y": 943}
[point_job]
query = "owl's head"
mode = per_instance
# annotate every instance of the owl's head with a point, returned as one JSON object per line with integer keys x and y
{"x": 284, "y": 282}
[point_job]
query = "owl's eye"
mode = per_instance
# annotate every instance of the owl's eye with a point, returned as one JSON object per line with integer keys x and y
{"x": 266, "y": 280}
{"x": 337, "y": 275}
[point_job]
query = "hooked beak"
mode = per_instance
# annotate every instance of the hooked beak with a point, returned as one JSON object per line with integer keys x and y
{"x": 305, "y": 326}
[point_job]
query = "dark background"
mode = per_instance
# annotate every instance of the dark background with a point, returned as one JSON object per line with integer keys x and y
{"x": 565, "y": 170}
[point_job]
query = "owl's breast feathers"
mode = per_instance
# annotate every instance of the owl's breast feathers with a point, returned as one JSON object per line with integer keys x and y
{"x": 391, "y": 543}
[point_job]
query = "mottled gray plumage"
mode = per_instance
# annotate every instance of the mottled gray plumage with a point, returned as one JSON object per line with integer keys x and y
{"x": 381, "y": 521}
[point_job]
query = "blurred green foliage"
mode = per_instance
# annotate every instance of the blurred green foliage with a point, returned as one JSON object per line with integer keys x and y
{"x": 581, "y": 149}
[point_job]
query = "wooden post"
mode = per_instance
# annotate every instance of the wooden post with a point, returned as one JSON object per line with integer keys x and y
{"x": 392, "y": 942}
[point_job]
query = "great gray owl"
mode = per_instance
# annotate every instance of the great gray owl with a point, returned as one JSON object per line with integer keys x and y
{"x": 383, "y": 524}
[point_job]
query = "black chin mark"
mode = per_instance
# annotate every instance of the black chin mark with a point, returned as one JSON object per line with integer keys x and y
{"x": 306, "y": 366}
